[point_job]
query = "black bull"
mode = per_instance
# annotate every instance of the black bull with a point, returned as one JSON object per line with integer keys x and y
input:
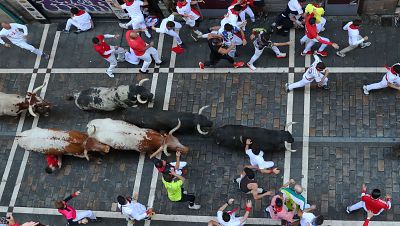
{"x": 234, "y": 136}
{"x": 166, "y": 120}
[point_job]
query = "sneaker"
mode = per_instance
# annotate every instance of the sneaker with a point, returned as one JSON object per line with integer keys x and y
{"x": 65, "y": 31}
{"x": 46, "y": 56}
{"x": 161, "y": 63}
{"x": 78, "y": 31}
{"x": 182, "y": 45}
{"x": 287, "y": 87}
{"x": 365, "y": 44}
{"x": 184, "y": 192}
{"x": 281, "y": 55}
{"x": 340, "y": 54}
{"x": 261, "y": 191}
{"x": 201, "y": 65}
{"x": 307, "y": 53}
{"x": 194, "y": 37}
{"x": 111, "y": 75}
{"x": 326, "y": 87}
{"x": 322, "y": 29}
{"x": 234, "y": 181}
{"x": 238, "y": 64}
{"x": 121, "y": 25}
{"x": 251, "y": 66}
{"x": 366, "y": 92}
{"x": 147, "y": 33}
{"x": 347, "y": 210}
{"x": 322, "y": 53}
{"x": 144, "y": 72}
{"x": 267, "y": 209}
{"x": 194, "y": 207}
{"x": 98, "y": 219}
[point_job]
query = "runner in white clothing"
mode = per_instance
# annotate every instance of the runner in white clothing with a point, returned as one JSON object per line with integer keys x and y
{"x": 133, "y": 7}
{"x": 257, "y": 160}
{"x": 133, "y": 210}
{"x": 12, "y": 31}
{"x": 390, "y": 79}
{"x": 190, "y": 15}
{"x": 227, "y": 218}
{"x": 355, "y": 39}
{"x": 309, "y": 219}
{"x": 317, "y": 71}
{"x": 80, "y": 19}
{"x": 168, "y": 26}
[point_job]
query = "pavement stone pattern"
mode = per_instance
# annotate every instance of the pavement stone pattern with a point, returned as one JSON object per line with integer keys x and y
{"x": 336, "y": 170}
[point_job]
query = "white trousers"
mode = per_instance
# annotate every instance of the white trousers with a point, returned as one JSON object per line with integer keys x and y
{"x": 321, "y": 24}
{"x": 174, "y": 34}
{"x": 311, "y": 42}
{"x": 80, "y": 26}
{"x": 379, "y": 85}
{"x": 360, "y": 205}
{"x": 235, "y": 41}
{"x": 120, "y": 52}
{"x": 24, "y": 45}
{"x": 258, "y": 52}
{"x": 351, "y": 47}
{"x": 304, "y": 81}
{"x": 249, "y": 12}
{"x": 146, "y": 57}
{"x": 131, "y": 57}
{"x": 84, "y": 214}
{"x": 191, "y": 21}
{"x": 137, "y": 23}
{"x": 181, "y": 166}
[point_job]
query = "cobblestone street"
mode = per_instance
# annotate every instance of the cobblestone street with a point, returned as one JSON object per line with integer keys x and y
{"x": 343, "y": 138}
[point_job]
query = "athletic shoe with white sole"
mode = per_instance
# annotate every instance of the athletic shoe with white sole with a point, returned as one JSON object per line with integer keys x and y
{"x": 287, "y": 87}
{"x": 307, "y": 53}
{"x": 111, "y": 75}
{"x": 338, "y": 53}
{"x": 366, "y": 92}
{"x": 365, "y": 44}
{"x": 194, "y": 207}
{"x": 121, "y": 25}
{"x": 281, "y": 55}
{"x": 348, "y": 210}
{"x": 147, "y": 33}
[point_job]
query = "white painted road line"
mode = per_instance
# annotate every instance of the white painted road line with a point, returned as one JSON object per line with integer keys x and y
{"x": 306, "y": 132}
{"x": 35, "y": 122}
{"x": 289, "y": 105}
{"x": 192, "y": 218}
{"x": 155, "y": 75}
{"x": 22, "y": 117}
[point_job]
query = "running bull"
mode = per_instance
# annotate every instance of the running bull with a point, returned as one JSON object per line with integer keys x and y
{"x": 109, "y": 99}
{"x": 124, "y": 136}
{"x": 268, "y": 140}
{"x": 166, "y": 120}
{"x": 14, "y": 104}
{"x": 58, "y": 142}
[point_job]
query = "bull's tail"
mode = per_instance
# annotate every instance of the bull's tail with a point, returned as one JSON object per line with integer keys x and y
{"x": 198, "y": 125}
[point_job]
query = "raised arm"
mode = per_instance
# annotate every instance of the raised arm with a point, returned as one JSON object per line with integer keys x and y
{"x": 248, "y": 209}
{"x": 72, "y": 196}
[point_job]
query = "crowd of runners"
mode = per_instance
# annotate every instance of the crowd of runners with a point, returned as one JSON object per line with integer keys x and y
{"x": 289, "y": 204}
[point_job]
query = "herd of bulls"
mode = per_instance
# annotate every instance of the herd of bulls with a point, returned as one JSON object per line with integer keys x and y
{"x": 141, "y": 129}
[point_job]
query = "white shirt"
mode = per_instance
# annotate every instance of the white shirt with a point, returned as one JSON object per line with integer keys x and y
{"x": 230, "y": 18}
{"x": 307, "y": 219}
{"x": 392, "y": 78}
{"x": 84, "y": 20}
{"x": 354, "y": 35}
{"x": 294, "y": 5}
{"x": 14, "y": 34}
{"x": 232, "y": 222}
{"x": 312, "y": 73}
{"x": 163, "y": 25}
{"x": 133, "y": 210}
{"x": 134, "y": 10}
{"x": 186, "y": 9}
{"x": 258, "y": 160}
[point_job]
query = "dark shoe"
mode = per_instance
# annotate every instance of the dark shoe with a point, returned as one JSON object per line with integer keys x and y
{"x": 98, "y": 219}
{"x": 161, "y": 63}
{"x": 144, "y": 72}
{"x": 78, "y": 31}
{"x": 182, "y": 45}
{"x": 65, "y": 31}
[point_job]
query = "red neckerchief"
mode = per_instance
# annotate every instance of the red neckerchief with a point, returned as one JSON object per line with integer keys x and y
{"x": 129, "y": 3}
{"x": 181, "y": 4}
{"x": 80, "y": 13}
{"x": 391, "y": 69}
{"x": 354, "y": 27}
{"x": 277, "y": 209}
{"x": 234, "y": 12}
{"x": 233, "y": 211}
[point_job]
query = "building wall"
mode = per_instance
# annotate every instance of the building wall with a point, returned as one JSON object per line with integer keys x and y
{"x": 379, "y": 7}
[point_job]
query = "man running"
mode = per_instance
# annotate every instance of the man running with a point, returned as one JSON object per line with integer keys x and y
{"x": 245, "y": 10}
{"x": 247, "y": 184}
{"x": 190, "y": 15}
{"x": 169, "y": 26}
{"x": 12, "y": 31}
{"x": 228, "y": 218}
{"x": 390, "y": 79}
{"x": 355, "y": 39}
{"x": 133, "y": 7}
{"x": 80, "y": 19}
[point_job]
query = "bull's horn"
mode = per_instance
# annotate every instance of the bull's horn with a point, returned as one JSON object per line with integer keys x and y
{"x": 30, "y": 109}
{"x": 85, "y": 153}
{"x": 289, "y": 124}
{"x": 201, "y": 131}
{"x": 142, "y": 81}
{"x": 288, "y": 148}
{"x": 38, "y": 88}
{"x": 166, "y": 151}
{"x": 176, "y": 128}
{"x": 91, "y": 129}
{"x": 140, "y": 100}
{"x": 202, "y": 109}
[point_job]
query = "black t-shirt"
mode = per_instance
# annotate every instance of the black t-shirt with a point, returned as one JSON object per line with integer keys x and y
{"x": 214, "y": 49}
